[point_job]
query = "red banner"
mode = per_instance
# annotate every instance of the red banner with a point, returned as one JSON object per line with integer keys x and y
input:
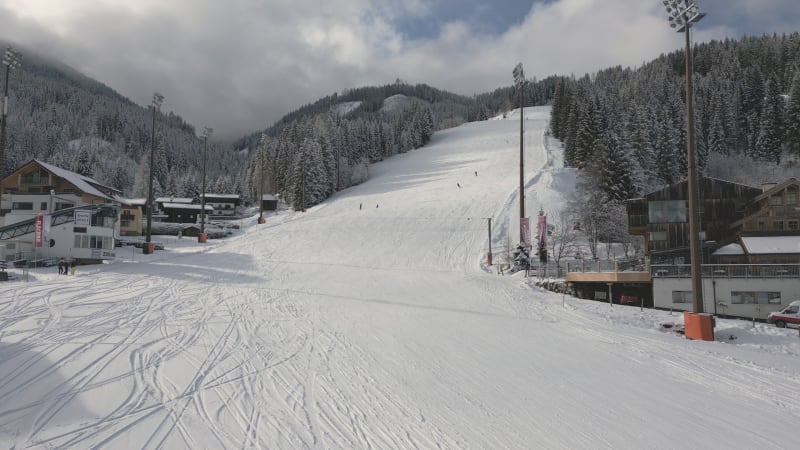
{"x": 542, "y": 231}
{"x": 525, "y": 228}
{"x": 38, "y": 229}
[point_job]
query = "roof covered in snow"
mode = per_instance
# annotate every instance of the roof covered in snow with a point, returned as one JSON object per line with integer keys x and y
{"x": 82, "y": 182}
{"x": 186, "y": 206}
{"x": 728, "y": 250}
{"x": 174, "y": 200}
{"x": 771, "y": 245}
{"x": 225, "y": 196}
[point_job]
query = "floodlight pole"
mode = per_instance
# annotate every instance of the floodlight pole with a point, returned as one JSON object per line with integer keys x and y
{"x": 519, "y": 81}
{"x": 156, "y": 104}
{"x": 10, "y": 61}
{"x": 489, "y": 255}
{"x": 206, "y": 134}
{"x": 262, "y": 154}
{"x": 683, "y": 14}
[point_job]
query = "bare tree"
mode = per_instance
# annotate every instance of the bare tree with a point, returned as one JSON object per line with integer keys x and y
{"x": 564, "y": 238}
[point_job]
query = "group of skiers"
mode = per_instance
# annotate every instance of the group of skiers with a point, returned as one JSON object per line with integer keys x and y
{"x": 66, "y": 267}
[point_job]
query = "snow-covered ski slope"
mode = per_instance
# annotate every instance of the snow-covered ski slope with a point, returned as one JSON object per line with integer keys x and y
{"x": 371, "y": 321}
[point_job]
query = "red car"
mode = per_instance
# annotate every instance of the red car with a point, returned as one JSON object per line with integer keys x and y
{"x": 628, "y": 300}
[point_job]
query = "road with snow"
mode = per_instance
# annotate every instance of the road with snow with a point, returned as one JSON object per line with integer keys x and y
{"x": 371, "y": 321}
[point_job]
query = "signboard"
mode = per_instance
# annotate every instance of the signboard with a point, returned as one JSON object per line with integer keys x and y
{"x": 525, "y": 228}
{"x": 83, "y": 218}
{"x": 542, "y": 231}
{"x": 38, "y": 229}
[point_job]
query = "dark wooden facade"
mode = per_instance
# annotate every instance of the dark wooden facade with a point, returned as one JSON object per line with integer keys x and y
{"x": 661, "y": 217}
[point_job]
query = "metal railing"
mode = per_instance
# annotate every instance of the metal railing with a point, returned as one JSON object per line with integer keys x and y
{"x": 608, "y": 265}
{"x": 728, "y": 270}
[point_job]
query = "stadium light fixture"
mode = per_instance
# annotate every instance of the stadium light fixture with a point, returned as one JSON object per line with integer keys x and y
{"x": 206, "y": 135}
{"x": 262, "y": 147}
{"x": 158, "y": 99}
{"x": 11, "y": 62}
{"x": 519, "y": 82}
{"x": 682, "y": 14}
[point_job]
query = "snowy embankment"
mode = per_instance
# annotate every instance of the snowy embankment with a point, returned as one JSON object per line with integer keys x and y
{"x": 371, "y": 321}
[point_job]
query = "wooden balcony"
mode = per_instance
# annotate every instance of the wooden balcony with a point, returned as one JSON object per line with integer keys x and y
{"x": 609, "y": 272}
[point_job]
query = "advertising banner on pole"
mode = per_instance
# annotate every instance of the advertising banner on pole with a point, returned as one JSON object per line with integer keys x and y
{"x": 542, "y": 231}
{"x": 525, "y": 226}
{"x": 38, "y": 230}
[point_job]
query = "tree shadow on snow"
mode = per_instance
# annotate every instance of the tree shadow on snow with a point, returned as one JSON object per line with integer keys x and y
{"x": 34, "y": 395}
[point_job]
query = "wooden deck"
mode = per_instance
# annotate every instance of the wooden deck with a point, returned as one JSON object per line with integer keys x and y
{"x": 609, "y": 277}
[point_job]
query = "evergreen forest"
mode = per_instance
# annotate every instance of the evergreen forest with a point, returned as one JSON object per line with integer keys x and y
{"x": 623, "y": 127}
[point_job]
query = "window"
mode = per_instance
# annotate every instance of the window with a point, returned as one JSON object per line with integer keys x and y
{"x": 43, "y": 206}
{"x": 791, "y": 310}
{"x": 22, "y": 206}
{"x": 791, "y": 198}
{"x": 658, "y": 235}
{"x": 669, "y": 211}
{"x": 776, "y": 200}
{"x": 37, "y": 176}
{"x": 102, "y": 242}
{"x": 60, "y": 206}
{"x": 777, "y": 225}
{"x": 752, "y": 298}
{"x": 681, "y": 296}
{"x": 761, "y": 225}
{"x": 793, "y": 225}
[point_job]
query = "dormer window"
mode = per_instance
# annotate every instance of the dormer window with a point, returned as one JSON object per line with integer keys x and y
{"x": 36, "y": 177}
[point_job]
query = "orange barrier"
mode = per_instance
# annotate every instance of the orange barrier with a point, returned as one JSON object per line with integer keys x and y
{"x": 148, "y": 248}
{"x": 698, "y": 326}
{"x": 201, "y": 238}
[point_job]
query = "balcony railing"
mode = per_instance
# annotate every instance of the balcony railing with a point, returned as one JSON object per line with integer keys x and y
{"x": 35, "y": 181}
{"x": 728, "y": 271}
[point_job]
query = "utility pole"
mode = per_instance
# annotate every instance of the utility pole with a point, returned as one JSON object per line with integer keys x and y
{"x": 262, "y": 153}
{"x": 489, "y": 256}
{"x": 683, "y": 13}
{"x": 10, "y": 61}
{"x": 202, "y": 238}
{"x": 149, "y": 246}
{"x": 519, "y": 81}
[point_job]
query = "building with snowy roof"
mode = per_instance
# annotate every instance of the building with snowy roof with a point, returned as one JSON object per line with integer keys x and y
{"x": 751, "y": 246}
{"x": 49, "y": 212}
{"x": 223, "y": 204}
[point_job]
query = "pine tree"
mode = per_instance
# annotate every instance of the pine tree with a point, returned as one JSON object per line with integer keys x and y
{"x": 792, "y": 136}
{"x": 769, "y": 141}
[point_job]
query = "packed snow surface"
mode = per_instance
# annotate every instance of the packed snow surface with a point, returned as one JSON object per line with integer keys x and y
{"x": 372, "y": 321}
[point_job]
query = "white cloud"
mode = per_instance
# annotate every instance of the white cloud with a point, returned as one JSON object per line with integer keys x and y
{"x": 239, "y": 65}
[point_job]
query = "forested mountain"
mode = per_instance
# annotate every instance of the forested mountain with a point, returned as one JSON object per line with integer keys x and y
{"x": 63, "y": 117}
{"x": 747, "y": 104}
{"x": 626, "y": 127}
{"x": 320, "y": 148}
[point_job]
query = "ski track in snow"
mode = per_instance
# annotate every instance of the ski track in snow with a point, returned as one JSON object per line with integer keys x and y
{"x": 372, "y": 328}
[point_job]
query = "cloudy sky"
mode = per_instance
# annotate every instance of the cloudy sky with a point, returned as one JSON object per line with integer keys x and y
{"x": 240, "y": 65}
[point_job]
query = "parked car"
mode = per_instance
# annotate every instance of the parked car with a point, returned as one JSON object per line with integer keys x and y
{"x": 789, "y": 316}
{"x": 628, "y": 300}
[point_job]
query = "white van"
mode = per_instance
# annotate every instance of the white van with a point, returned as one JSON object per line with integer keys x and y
{"x": 789, "y": 316}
